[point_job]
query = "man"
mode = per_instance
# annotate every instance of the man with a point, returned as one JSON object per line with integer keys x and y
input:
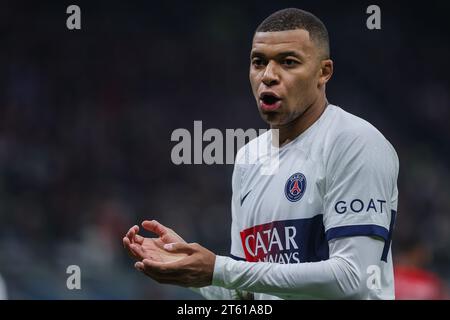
{"x": 320, "y": 226}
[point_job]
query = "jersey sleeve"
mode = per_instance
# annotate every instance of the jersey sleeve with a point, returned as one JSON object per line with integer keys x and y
{"x": 344, "y": 275}
{"x": 361, "y": 186}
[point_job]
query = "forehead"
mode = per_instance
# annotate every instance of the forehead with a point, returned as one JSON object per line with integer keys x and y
{"x": 270, "y": 43}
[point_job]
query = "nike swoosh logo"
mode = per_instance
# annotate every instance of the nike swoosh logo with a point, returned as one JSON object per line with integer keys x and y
{"x": 243, "y": 198}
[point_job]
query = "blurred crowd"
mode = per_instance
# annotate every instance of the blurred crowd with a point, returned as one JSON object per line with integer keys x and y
{"x": 86, "y": 119}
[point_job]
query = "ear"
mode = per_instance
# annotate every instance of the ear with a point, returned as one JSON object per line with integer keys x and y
{"x": 326, "y": 71}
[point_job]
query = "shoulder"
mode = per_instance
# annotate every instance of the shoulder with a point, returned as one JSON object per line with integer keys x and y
{"x": 346, "y": 129}
{"x": 349, "y": 137}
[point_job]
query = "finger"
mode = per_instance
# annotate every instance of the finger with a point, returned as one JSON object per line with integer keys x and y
{"x": 155, "y": 227}
{"x": 125, "y": 242}
{"x": 137, "y": 251}
{"x": 161, "y": 268}
{"x": 135, "y": 231}
{"x": 180, "y": 247}
{"x": 138, "y": 239}
{"x": 139, "y": 266}
{"x": 131, "y": 233}
{"x": 127, "y": 245}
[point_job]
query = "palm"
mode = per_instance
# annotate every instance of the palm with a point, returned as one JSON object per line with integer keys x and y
{"x": 142, "y": 248}
{"x": 152, "y": 248}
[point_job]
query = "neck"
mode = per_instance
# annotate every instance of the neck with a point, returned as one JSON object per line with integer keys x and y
{"x": 293, "y": 129}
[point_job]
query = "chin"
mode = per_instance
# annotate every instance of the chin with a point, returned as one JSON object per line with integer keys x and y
{"x": 274, "y": 119}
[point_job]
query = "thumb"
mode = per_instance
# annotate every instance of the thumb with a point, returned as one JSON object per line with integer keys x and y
{"x": 179, "y": 247}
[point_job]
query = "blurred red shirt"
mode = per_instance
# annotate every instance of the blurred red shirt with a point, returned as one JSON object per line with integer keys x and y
{"x": 412, "y": 283}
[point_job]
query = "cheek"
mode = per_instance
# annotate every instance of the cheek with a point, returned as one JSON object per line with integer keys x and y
{"x": 301, "y": 93}
{"x": 302, "y": 86}
{"x": 296, "y": 89}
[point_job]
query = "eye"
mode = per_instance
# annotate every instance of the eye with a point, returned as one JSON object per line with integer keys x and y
{"x": 290, "y": 62}
{"x": 257, "y": 62}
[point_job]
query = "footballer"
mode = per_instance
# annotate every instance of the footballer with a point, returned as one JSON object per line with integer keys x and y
{"x": 320, "y": 227}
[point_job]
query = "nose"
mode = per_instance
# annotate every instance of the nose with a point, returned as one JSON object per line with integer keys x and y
{"x": 270, "y": 76}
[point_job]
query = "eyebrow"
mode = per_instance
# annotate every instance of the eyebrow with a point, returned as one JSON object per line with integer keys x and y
{"x": 283, "y": 54}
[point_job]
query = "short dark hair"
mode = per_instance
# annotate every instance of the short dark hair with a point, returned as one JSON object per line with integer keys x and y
{"x": 292, "y": 19}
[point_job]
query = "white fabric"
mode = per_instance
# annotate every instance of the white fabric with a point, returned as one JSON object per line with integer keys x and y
{"x": 334, "y": 182}
{"x": 348, "y": 274}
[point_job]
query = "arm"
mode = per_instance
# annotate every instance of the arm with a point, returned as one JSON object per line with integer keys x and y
{"x": 342, "y": 276}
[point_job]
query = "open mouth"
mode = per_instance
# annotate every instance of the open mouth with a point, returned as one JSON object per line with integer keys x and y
{"x": 269, "y": 101}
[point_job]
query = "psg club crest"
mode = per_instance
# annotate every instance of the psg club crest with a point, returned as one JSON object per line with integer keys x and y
{"x": 295, "y": 187}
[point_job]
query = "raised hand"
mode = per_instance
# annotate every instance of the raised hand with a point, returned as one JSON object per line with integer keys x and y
{"x": 194, "y": 270}
{"x": 141, "y": 248}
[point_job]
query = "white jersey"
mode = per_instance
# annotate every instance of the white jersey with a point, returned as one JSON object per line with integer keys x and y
{"x": 337, "y": 180}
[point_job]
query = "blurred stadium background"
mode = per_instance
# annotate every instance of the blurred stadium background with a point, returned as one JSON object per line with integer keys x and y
{"x": 86, "y": 118}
